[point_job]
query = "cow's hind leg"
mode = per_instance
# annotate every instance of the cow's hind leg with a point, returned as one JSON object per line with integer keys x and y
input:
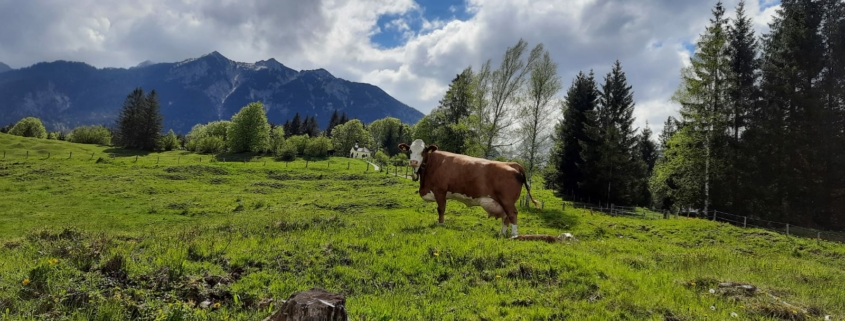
{"x": 441, "y": 206}
{"x": 511, "y": 215}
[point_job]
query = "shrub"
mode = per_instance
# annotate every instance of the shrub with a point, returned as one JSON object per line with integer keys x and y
{"x": 211, "y": 145}
{"x": 29, "y": 127}
{"x": 287, "y": 152}
{"x": 169, "y": 141}
{"x": 399, "y": 160}
{"x": 318, "y": 146}
{"x": 277, "y": 140}
{"x": 299, "y": 143}
{"x": 90, "y": 135}
{"x": 381, "y": 158}
{"x": 200, "y": 131}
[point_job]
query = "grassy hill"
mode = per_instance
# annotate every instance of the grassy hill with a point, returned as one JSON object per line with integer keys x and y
{"x": 102, "y": 238}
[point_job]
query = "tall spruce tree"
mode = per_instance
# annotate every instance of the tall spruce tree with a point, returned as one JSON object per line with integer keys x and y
{"x": 613, "y": 168}
{"x": 702, "y": 94}
{"x": 139, "y": 123}
{"x": 742, "y": 50}
{"x": 646, "y": 150}
{"x": 152, "y": 120}
{"x": 571, "y": 135}
{"x": 296, "y": 125}
{"x": 334, "y": 121}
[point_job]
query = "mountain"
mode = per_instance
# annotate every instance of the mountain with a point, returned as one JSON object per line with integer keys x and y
{"x": 66, "y": 94}
{"x": 4, "y": 67}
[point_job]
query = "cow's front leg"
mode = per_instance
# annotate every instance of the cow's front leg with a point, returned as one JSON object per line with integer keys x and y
{"x": 440, "y": 198}
{"x": 504, "y": 226}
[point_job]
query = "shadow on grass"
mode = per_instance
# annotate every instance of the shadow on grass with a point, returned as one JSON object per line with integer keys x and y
{"x": 554, "y": 217}
{"x": 122, "y": 152}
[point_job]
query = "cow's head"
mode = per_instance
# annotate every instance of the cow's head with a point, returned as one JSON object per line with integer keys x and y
{"x": 418, "y": 156}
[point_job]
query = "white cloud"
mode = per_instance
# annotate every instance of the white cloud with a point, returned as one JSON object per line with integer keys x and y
{"x": 646, "y": 36}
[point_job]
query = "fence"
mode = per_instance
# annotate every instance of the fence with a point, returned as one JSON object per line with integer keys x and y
{"x": 718, "y": 216}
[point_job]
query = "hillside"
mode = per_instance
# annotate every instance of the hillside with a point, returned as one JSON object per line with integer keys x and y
{"x": 4, "y": 67}
{"x": 90, "y": 237}
{"x": 67, "y": 94}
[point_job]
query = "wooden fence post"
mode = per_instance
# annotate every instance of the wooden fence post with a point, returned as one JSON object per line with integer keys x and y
{"x": 4, "y": 154}
{"x": 368, "y": 167}
{"x": 714, "y": 214}
{"x": 27, "y": 154}
{"x": 306, "y": 163}
{"x": 787, "y": 229}
{"x": 70, "y": 156}
{"x": 92, "y": 156}
{"x": 48, "y": 155}
{"x": 265, "y": 162}
{"x": 328, "y": 163}
{"x": 136, "y": 158}
{"x": 158, "y": 158}
{"x": 818, "y": 236}
{"x": 744, "y": 221}
{"x": 200, "y": 159}
{"x": 178, "y": 159}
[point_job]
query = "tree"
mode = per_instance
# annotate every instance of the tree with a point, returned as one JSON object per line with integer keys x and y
{"x": 139, "y": 123}
{"x": 277, "y": 140}
{"x": 537, "y": 107}
{"x": 29, "y": 127}
{"x": 613, "y": 169}
{"x": 571, "y": 135}
{"x": 310, "y": 127}
{"x": 646, "y": 150}
{"x": 742, "y": 51}
{"x": 318, "y": 146}
{"x": 505, "y": 82}
{"x": 703, "y": 93}
{"x": 387, "y": 134}
{"x": 170, "y": 141}
{"x": 451, "y": 116}
{"x": 295, "y": 126}
{"x": 479, "y": 109}
{"x": 347, "y": 135}
{"x": 334, "y": 121}
{"x": 249, "y": 131}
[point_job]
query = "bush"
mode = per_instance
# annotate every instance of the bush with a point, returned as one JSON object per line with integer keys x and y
{"x": 90, "y": 135}
{"x": 287, "y": 152}
{"x": 381, "y": 158}
{"x": 54, "y": 135}
{"x": 29, "y": 127}
{"x": 211, "y": 145}
{"x": 277, "y": 140}
{"x": 200, "y": 131}
{"x": 318, "y": 146}
{"x": 399, "y": 160}
{"x": 299, "y": 143}
{"x": 169, "y": 141}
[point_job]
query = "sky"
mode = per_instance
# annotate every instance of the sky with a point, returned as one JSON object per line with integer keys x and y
{"x": 411, "y": 49}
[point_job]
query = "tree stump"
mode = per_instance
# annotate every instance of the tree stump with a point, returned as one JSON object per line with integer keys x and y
{"x": 312, "y": 305}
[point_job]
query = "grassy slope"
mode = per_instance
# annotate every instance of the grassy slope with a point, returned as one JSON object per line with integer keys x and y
{"x": 120, "y": 239}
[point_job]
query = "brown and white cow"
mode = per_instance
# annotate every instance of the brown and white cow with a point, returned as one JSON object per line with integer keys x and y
{"x": 493, "y": 185}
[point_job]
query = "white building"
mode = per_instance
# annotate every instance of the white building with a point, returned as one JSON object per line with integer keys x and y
{"x": 357, "y": 152}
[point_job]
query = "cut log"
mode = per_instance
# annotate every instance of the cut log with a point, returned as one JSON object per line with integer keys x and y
{"x": 312, "y": 305}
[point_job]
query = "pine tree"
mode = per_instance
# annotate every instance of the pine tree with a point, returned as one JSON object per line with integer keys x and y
{"x": 646, "y": 150}
{"x": 702, "y": 95}
{"x": 613, "y": 167}
{"x": 742, "y": 53}
{"x": 571, "y": 132}
{"x": 296, "y": 125}
{"x": 343, "y": 119}
{"x": 152, "y": 123}
{"x": 334, "y": 121}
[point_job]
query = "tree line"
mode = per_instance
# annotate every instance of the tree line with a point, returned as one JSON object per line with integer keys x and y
{"x": 762, "y": 119}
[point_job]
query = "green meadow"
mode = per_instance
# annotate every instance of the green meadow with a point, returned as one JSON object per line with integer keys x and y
{"x": 179, "y": 236}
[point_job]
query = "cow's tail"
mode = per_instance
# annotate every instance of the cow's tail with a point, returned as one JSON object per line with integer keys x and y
{"x": 524, "y": 179}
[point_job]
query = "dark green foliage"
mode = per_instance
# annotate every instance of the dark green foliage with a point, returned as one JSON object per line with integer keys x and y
{"x": 613, "y": 169}
{"x": 140, "y": 122}
{"x": 169, "y": 141}
{"x": 249, "y": 131}
{"x": 572, "y": 134}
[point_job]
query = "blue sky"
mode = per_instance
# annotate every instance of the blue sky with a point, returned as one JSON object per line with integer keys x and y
{"x": 389, "y": 35}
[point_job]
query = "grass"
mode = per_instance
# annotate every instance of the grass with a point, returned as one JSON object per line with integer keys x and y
{"x": 83, "y": 239}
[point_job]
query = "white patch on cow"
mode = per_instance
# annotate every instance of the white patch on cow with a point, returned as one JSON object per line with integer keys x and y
{"x": 513, "y": 229}
{"x": 429, "y": 197}
{"x": 504, "y": 227}
{"x": 416, "y": 156}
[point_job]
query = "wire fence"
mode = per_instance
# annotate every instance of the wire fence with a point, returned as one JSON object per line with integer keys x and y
{"x": 718, "y": 216}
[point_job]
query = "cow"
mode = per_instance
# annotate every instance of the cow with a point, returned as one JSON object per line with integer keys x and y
{"x": 495, "y": 186}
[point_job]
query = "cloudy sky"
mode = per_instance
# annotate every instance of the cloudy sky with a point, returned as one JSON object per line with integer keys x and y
{"x": 411, "y": 49}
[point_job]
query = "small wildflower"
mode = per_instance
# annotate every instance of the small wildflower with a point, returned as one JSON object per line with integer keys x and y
{"x": 713, "y": 307}
{"x": 436, "y": 254}
{"x": 25, "y": 282}
{"x": 693, "y": 283}
{"x": 712, "y": 291}
{"x": 217, "y": 305}
{"x": 733, "y": 314}
{"x": 53, "y": 261}
{"x": 498, "y": 276}
{"x": 793, "y": 311}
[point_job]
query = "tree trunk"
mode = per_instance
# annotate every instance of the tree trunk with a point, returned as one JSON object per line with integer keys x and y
{"x": 312, "y": 305}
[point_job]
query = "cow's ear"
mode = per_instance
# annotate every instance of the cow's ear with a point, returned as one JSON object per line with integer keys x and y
{"x": 431, "y": 148}
{"x": 403, "y": 147}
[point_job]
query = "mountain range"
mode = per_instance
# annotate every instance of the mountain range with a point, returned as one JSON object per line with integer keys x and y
{"x": 66, "y": 94}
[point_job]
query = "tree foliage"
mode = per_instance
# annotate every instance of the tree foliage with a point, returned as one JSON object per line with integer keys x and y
{"x": 139, "y": 123}
{"x": 29, "y": 127}
{"x": 90, "y": 135}
{"x": 249, "y": 131}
